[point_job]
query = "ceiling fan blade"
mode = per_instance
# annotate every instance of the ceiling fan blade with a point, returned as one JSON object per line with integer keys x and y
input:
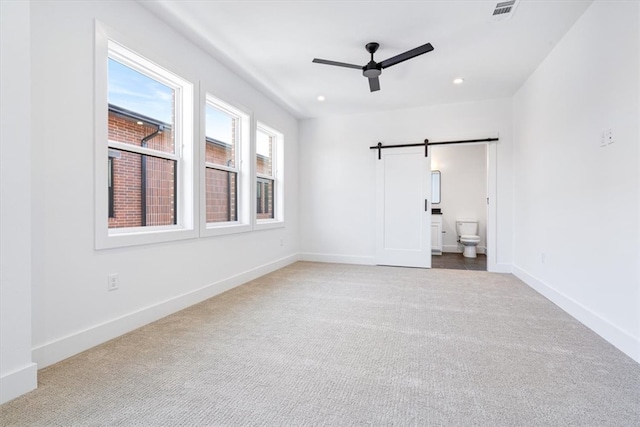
{"x": 374, "y": 84}
{"x": 339, "y": 64}
{"x": 407, "y": 55}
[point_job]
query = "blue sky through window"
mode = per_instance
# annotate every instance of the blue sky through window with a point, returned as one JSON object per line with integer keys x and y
{"x": 134, "y": 91}
{"x": 137, "y": 92}
{"x": 218, "y": 124}
{"x": 263, "y": 144}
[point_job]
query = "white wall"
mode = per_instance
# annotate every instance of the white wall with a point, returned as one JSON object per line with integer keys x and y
{"x": 72, "y": 309}
{"x": 17, "y": 372}
{"x": 337, "y": 172}
{"x": 577, "y": 234}
{"x": 577, "y": 203}
{"x": 463, "y": 177}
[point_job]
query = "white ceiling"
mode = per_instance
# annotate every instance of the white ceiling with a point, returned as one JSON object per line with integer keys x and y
{"x": 272, "y": 44}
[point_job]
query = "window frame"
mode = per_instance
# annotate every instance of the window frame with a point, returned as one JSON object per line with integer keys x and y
{"x": 242, "y": 155}
{"x": 110, "y": 189}
{"x": 111, "y": 44}
{"x": 277, "y": 175}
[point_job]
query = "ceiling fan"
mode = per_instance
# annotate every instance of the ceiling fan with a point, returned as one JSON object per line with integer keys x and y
{"x": 373, "y": 69}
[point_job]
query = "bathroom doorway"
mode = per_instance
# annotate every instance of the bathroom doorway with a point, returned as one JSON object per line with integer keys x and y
{"x": 465, "y": 177}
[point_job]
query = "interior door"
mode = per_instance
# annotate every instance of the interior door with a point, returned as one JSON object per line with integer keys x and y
{"x": 403, "y": 210}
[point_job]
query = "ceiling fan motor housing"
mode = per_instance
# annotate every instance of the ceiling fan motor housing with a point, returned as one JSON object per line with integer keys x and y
{"x": 372, "y": 69}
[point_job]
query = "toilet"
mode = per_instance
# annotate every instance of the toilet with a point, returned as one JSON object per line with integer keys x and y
{"x": 468, "y": 236}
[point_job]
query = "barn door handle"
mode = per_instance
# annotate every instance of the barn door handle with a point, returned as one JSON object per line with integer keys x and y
{"x": 426, "y": 205}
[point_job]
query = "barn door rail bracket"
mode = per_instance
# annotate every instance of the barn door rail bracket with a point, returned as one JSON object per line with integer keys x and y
{"x": 426, "y": 145}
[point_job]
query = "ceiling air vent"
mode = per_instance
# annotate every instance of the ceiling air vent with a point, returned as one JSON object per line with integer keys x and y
{"x": 504, "y": 10}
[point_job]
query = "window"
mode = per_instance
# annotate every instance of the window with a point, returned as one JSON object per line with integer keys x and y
{"x": 221, "y": 164}
{"x": 141, "y": 134}
{"x": 226, "y": 144}
{"x": 269, "y": 182}
{"x": 147, "y": 123}
{"x": 265, "y": 174}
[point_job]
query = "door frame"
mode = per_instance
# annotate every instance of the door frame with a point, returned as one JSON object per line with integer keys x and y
{"x": 492, "y": 208}
{"x": 492, "y": 211}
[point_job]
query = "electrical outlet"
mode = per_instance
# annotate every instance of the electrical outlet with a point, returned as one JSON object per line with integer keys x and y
{"x": 609, "y": 137}
{"x": 113, "y": 282}
{"x": 281, "y": 242}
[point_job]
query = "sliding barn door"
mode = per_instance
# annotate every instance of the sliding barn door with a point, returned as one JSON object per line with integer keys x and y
{"x": 403, "y": 212}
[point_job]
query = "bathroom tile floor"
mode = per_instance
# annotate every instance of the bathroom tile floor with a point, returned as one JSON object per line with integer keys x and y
{"x": 455, "y": 261}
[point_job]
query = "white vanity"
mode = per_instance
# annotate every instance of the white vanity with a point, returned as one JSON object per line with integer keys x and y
{"x": 436, "y": 215}
{"x": 436, "y": 234}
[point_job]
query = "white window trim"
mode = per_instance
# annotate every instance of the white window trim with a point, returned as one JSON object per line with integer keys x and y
{"x": 278, "y": 174}
{"x": 121, "y": 146}
{"x": 243, "y": 159}
{"x": 108, "y": 43}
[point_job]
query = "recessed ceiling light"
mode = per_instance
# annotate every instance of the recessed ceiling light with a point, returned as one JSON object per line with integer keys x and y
{"x": 458, "y": 81}
{"x": 139, "y": 122}
{"x": 320, "y": 98}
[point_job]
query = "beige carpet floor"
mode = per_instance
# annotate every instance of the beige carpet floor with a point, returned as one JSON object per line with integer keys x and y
{"x": 343, "y": 345}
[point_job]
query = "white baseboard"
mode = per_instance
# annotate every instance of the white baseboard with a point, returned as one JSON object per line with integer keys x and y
{"x": 338, "y": 259}
{"x": 60, "y": 349}
{"x": 620, "y": 339}
{"x": 18, "y": 382}
{"x": 456, "y": 249}
{"x": 366, "y": 260}
{"x": 500, "y": 268}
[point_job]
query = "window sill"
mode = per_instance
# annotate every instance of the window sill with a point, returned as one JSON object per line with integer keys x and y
{"x": 224, "y": 228}
{"x": 266, "y": 224}
{"x": 120, "y": 238}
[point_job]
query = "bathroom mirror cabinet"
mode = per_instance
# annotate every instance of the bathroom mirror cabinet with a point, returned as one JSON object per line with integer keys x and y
{"x": 435, "y": 187}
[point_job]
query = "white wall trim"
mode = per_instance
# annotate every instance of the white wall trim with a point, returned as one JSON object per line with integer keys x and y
{"x": 339, "y": 259}
{"x": 18, "y": 382}
{"x": 620, "y": 339}
{"x": 500, "y": 268}
{"x": 62, "y": 348}
{"x": 369, "y": 260}
{"x": 458, "y": 249}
